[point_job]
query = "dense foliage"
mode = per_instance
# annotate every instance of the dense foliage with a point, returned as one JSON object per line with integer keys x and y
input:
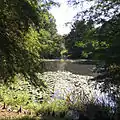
{"x": 81, "y": 31}
{"x": 105, "y": 43}
{"x": 27, "y": 33}
{"x": 104, "y": 38}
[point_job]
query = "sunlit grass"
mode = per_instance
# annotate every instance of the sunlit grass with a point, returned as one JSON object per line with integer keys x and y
{"x": 35, "y": 118}
{"x": 22, "y": 118}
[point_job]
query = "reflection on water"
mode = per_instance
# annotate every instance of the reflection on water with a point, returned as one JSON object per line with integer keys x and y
{"x": 82, "y": 67}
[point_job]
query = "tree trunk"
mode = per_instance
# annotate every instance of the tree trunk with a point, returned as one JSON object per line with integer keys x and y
{"x": 4, "y": 107}
{"x": 20, "y": 110}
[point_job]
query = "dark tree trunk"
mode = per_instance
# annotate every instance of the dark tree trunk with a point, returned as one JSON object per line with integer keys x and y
{"x": 4, "y": 107}
{"x": 20, "y": 110}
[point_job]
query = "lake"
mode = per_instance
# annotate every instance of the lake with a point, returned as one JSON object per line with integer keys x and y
{"x": 81, "y": 66}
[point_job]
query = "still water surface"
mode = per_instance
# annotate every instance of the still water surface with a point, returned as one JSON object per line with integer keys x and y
{"x": 81, "y": 67}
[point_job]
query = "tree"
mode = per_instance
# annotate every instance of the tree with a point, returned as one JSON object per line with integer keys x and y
{"x": 20, "y": 24}
{"x": 105, "y": 15}
{"x": 79, "y": 33}
{"x": 50, "y": 41}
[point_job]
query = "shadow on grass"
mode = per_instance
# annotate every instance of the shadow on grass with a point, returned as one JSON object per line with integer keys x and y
{"x": 90, "y": 111}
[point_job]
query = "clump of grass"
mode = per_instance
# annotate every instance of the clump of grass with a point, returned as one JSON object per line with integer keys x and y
{"x": 12, "y": 97}
{"x": 57, "y": 107}
{"x": 20, "y": 93}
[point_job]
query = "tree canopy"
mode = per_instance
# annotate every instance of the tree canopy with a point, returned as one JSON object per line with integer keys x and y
{"x": 103, "y": 40}
{"x": 25, "y": 28}
{"x": 80, "y": 32}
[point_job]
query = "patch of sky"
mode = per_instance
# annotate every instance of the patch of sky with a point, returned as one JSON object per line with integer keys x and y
{"x": 66, "y": 14}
